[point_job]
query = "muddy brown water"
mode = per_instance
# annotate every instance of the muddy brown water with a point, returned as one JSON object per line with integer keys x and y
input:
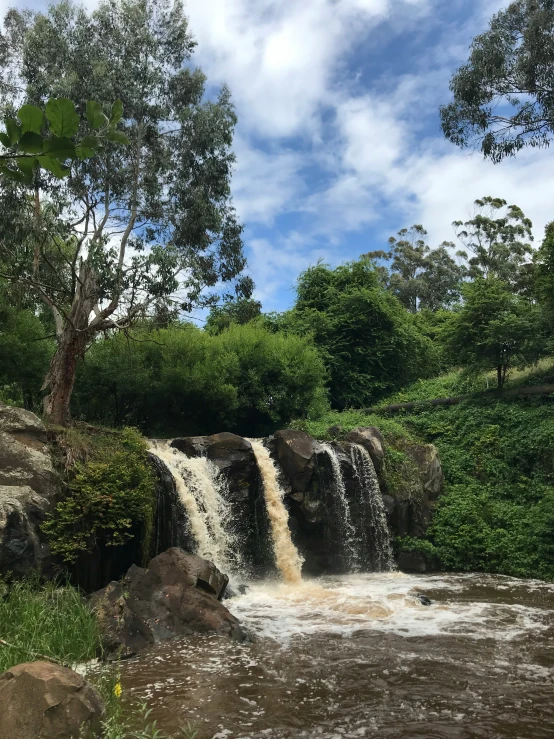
{"x": 359, "y": 656}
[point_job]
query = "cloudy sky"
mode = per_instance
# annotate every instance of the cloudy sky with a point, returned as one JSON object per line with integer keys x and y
{"x": 338, "y": 143}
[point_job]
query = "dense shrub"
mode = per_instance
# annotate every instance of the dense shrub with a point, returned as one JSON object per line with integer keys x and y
{"x": 370, "y": 344}
{"x": 181, "y": 380}
{"x": 109, "y": 498}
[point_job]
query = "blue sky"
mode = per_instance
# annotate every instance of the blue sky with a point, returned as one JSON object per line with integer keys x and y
{"x": 338, "y": 143}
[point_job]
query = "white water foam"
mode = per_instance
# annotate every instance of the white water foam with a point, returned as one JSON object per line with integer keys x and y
{"x": 380, "y": 602}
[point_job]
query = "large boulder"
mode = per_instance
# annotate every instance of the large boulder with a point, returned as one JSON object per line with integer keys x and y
{"x": 296, "y": 452}
{"x": 28, "y": 485}
{"x": 42, "y": 700}
{"x": 372, "y": 440}
{"x": 175, "y": 596}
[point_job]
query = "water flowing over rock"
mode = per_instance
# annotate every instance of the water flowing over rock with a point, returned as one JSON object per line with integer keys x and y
{"x": 326, "y": 503}
{"x": 28, "y": 485}
{"x": 42, "y": 700}
{"x": 175, "y": 596}
{"x": 287, "y": 559}
{"x": 202, "y": 493}
{"x": 376, "y": 546}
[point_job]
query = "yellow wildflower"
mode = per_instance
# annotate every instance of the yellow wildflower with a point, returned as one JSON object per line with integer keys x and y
{"x": 117, "y": 690}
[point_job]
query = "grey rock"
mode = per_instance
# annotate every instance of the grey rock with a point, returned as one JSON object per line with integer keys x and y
{"x": 371, "y": 439}
{"x": 28, "y": 487}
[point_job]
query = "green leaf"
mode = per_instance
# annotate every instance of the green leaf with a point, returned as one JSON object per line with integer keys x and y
{"x": 13, "y": 174}
{"x": 5, "y": 140}
{"x": 61, "y": 148}
{"x": 118, "y": 137}
{"x": 31, "y": 143}
{"x": 91, "y": 142}
{"x": 117, "y": 113}
{"x": 32, "y": 118}
{"x": 84, "y": 152}
{"x": 14, "y": 131}
{"x": 95, "y": 115}
{"x": 54, "y": 165}
{"x": 27, "y": 165}
{"x": 62, "y": 116}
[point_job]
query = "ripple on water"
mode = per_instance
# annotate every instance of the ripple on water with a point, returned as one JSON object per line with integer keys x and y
{"x": 359, "y": 656}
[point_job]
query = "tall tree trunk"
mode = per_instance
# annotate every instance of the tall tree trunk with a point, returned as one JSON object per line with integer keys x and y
{"x": 73, "y": 334}
{"x": 61, "y": 376}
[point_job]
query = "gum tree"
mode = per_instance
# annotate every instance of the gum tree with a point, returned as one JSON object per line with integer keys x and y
{"x": 143, "y": 225}
{"x": 504, "y": 94}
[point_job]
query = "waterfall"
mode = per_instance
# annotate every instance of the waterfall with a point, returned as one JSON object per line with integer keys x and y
{"x": 287, "y": 558}
{"x": 202, "y": 493}
{"x": 347, "y": 530}
{"x": 373, "y": 510}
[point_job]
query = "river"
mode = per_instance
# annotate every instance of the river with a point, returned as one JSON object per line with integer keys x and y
{"x": 360, "y": 656}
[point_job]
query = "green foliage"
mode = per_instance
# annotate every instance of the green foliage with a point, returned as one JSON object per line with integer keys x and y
{"x": 181, "y": 380}
{"x": 108, "y": 496}
{"x": 31, "y": 142}
{"x": 419, "y": 276}
{"x": 544, "y": 269}
{"x": 369, "y": 343}
{"x": 45, "y": 619}
{"x": 498, "y": 238}
{"x": 494, "y": 329}
{"x": 503, "y": 95}
{"x": 24, "y": 354}
{"x": 235, "y": 311}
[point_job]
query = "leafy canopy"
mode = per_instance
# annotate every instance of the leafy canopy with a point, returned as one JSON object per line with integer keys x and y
{"x": 504, "y": 94}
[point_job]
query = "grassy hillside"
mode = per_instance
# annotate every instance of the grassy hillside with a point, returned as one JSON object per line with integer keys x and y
{"x": 497, "y": 513}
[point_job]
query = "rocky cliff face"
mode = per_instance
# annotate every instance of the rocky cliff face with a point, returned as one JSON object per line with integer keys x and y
{"x": 308, "y": 478}
{"x": 28, "y": 485}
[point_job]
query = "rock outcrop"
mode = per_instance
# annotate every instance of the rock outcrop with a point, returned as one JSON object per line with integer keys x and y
{"x": 28, "y": 485}
{"x": 296, "y": 452}
{"x": 42, "y": 700}
{"x": 371, "y": 439}
{"x": 175, "y": 596}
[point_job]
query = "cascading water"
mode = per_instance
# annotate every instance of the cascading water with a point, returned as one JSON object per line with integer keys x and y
{"x": 202, "y": 493}
{"x": 373, "y": 514}
{"x": 287, "y": 558}
{"x": 347, "y": 530}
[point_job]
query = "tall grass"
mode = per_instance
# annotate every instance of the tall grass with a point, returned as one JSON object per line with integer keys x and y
{"x": 45, "y": 620}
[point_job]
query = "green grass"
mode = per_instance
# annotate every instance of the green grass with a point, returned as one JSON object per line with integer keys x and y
{"x": 45, "y": 620}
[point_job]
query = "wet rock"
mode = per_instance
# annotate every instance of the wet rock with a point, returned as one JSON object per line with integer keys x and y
{"x": 296, "y": 452}
{"x": 335, "y": 431}
{"x": 371, "y": 439}
{"x": 424, "y": 599}
{"x": 174, "y": 596}
{"x": 42, "y": 700}
{"x": 28, "y": 485}
{"x": 414, "y": 562}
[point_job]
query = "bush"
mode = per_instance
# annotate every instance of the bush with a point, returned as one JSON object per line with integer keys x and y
{"x": 108, "y": 497}
{"x": 183, "y": 381}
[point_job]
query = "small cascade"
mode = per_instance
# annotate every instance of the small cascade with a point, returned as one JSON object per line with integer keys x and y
{"x": 373, "y": 514}
{"x": 202, "y": 493}
{"x": 287, "y": 558}
{"x": 347, "y": 531}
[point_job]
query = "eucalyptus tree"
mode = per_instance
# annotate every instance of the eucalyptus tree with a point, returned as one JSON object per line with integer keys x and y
{"x": 498, "y": 241}
{"x": 504, "y": 94}
{"x": 140, "y": 225}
